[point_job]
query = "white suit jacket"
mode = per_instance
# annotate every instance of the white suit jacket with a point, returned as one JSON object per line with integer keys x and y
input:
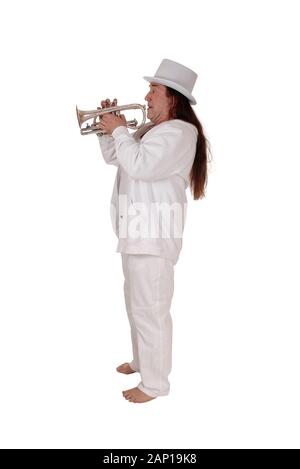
{"x": 148, "y": 203}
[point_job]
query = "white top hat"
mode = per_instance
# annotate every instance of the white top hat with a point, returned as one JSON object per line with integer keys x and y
{"x": 176, "y": 76}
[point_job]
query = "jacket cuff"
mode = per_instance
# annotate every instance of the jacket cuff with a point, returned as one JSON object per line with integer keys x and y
{"x": 104, "y": 137}
{"x": 121, "y": 130}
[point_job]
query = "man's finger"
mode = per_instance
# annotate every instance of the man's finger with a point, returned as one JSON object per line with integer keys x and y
{"x": 105, "y": 103}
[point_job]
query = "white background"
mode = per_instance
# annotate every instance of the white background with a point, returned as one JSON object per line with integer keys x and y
{"x": 235, "y": 378}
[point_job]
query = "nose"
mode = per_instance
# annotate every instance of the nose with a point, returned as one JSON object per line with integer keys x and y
{"x": 147, "y": 97}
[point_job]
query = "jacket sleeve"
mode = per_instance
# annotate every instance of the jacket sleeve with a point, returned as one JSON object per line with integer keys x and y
{"x": 167, "y": 151}
{"x": 107, "y": 146}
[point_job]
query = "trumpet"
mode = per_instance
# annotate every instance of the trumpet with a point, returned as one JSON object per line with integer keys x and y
{"x": 93, "y": 128}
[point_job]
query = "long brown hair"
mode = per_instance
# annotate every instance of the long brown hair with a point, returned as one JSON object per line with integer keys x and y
{"x": 182, "y": 109}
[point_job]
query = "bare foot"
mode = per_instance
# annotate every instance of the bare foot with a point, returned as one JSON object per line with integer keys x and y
{"x": 136, "y": 395}
{"x": 125, "y": 368}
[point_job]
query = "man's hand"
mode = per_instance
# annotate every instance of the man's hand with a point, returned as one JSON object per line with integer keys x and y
{"x": 109, "y": 121}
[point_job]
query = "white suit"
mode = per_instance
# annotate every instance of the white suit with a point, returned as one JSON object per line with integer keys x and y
{"x": 153, "y": 173}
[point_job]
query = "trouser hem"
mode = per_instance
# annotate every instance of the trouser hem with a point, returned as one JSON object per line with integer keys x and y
{"x": 150, "y": 392}
{"x": 133, "y": 367}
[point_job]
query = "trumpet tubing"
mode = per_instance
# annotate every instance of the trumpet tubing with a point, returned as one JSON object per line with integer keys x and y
{"x": 95, "y": 114}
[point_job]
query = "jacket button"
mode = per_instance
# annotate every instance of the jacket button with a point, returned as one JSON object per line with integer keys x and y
{"x": 121, "y": 216}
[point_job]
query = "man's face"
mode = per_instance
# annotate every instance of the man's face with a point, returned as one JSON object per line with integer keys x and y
{"x": 158, "y": 103}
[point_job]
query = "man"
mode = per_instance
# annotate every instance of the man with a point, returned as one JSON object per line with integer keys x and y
{"x": 154, "y": 167}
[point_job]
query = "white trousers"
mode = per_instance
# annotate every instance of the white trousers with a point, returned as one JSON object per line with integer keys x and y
{"x": 148, "y": 291}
